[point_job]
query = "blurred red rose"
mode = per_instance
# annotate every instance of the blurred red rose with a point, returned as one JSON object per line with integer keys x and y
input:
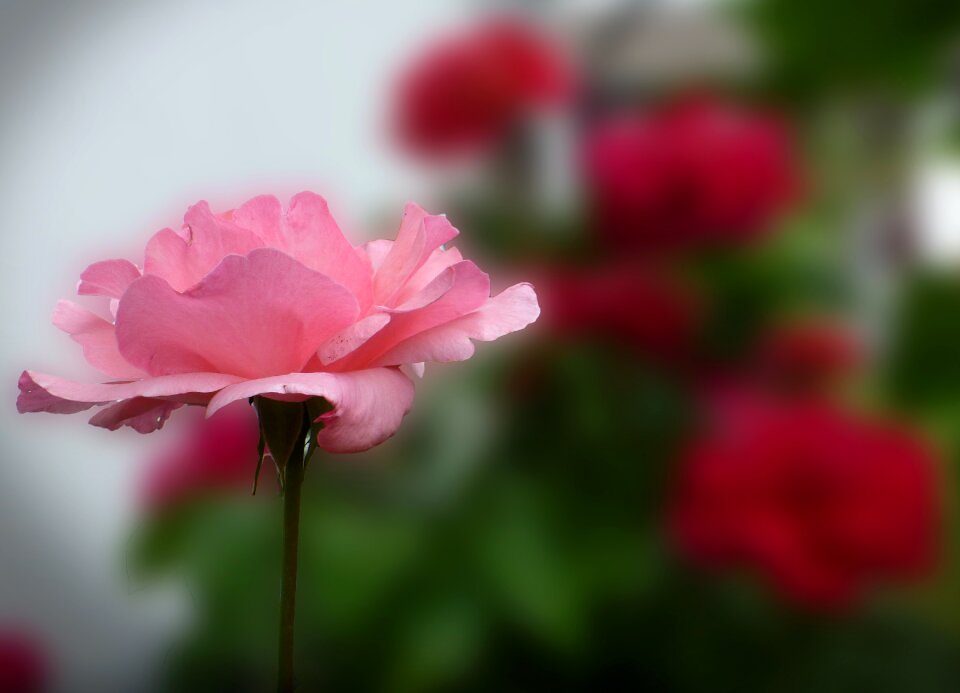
{"x": 807, "y": 356}
{"x": 640, "y": 307}
{"x": 698, "y": 172}
{"x": 215, "y": 454}
{"x": 468, "y": 90}
{"x": 818, "y": 501}
{"x": 23, "y": 666}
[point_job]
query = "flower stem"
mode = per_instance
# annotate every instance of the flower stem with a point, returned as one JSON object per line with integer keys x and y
{"x": 293, "y": 481}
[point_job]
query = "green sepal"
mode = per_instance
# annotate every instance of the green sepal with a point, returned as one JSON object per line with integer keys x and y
{"x": 261, "y": 448}
{"x": 281, "y": 429}
{"x": 316, "y": 407}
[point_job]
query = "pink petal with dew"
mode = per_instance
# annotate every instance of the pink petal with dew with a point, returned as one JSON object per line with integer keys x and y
{"x": 98, "y": 339}
{"x": 183, "y": 260}
{"x": 511, "y": 310}
{"x": 42, "y": 392}
{"x": 107, "y": 278}
{"x": 351, "y": 338}
{"x": 142, "y": 414}
{"x": 419, "y": 235}
{"x": 414, "y": 370}
{"x": 254, "y": 316}
{"x": 368, "y": 405}
{"x": 470, "y": 289}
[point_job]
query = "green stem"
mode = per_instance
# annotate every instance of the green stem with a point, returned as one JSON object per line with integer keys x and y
{"x": 293, "y": 481}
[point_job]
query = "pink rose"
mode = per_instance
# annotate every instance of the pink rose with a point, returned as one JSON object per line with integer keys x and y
{"x": 274, "y": 302}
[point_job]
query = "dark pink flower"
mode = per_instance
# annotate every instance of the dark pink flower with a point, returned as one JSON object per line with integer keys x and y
{"x": 637, "y": 306}
{"x": 818, "y": 501}
{"x": 696, "y": 173}
{"x": 23, "y": 664}
{"x": 468, "y": 90}
{"x": 806, "y": 356}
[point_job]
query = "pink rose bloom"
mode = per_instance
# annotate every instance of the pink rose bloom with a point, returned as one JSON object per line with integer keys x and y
{"x": 278, "y": 303}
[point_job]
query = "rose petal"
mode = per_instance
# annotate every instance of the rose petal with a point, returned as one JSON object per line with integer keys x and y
{"x": 184, "y": 260}
{"x": 98, "y": 339}
{"x": 34, "y": 398}
{"x": 511, "y": 310}
{"x": 439, "y": 260}
{"x": 262, "y": 215}
{"x": 42, "y": 392}
{"x": 108, "y": 278}
{"x": 430, "y": 293}
{"x": 471, "y": 288}
{"x": 254, "y": 316}
{"x": 142, "y": 414}
{"x": 351, "y": 338}
{"x": 313, "y": 237}
{"x": 376, "y": 251}
{"x": 368, "y": 405}
{"x": 419, "y": 235}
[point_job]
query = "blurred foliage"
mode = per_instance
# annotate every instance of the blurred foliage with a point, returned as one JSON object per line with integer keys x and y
{"x": 826, "y": 46}
{"x": 923, "y": 366}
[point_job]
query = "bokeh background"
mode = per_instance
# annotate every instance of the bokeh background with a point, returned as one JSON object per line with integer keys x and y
{"x": 723, "y": 459}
